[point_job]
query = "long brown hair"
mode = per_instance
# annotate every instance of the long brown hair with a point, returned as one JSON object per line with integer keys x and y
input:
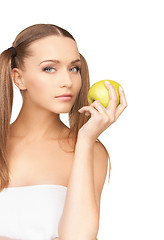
{"x": 7, "y": 63}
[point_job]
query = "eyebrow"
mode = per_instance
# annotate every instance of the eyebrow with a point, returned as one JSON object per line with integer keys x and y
{"x": 57, "y": 61}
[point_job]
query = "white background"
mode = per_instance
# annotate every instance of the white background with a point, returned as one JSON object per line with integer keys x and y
{"x": 121, "y": 41}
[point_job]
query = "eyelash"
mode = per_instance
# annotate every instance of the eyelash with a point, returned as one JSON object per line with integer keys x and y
{"x": 46, "y": 68}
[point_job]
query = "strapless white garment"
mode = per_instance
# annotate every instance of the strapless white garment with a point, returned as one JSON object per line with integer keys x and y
{"x": 31, "y": 212}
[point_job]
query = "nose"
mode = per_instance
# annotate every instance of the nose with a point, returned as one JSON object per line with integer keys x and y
{"x": 66, "y": 80}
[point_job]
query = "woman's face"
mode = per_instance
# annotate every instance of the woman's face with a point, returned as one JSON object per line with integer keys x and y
{"x": 44, "y": 78}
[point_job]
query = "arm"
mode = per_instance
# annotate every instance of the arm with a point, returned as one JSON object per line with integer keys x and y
{"x": 80, "y": 218}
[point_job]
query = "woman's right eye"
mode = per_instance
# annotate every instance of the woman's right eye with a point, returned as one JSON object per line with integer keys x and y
{"x": 48, "y": 69}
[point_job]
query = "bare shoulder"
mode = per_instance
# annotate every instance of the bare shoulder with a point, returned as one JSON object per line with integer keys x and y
{"x": 100, "y": 166}
{"x": 100, "y": 161}
{"x": 99, "y": 146}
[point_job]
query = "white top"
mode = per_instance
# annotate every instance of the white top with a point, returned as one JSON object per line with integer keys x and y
{"x": 31, "y": 212}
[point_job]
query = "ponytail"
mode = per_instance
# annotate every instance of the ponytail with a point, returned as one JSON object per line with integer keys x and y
{"x": 6, "y": 101}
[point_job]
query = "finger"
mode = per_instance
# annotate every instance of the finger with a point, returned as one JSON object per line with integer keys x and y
{"x": 88, "y": 109}
{"x": 122, "y": 97}
{"x": 113, "y": 97}
{"x": 97, "y": 105}
{"x": 122, "y": 105}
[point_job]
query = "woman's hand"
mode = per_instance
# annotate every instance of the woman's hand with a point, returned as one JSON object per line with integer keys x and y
{"x": 101, "y": 117}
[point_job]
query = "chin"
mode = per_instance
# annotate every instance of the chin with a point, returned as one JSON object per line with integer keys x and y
{"x": 62, "y": 110}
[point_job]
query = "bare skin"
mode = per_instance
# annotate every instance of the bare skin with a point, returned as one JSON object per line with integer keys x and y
{"x": 33, "y": 145}
{"x": 46, "y": 162}
{"x": 34, "y": 138}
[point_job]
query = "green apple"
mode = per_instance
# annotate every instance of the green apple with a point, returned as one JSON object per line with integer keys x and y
{"x": 99, "y": 91}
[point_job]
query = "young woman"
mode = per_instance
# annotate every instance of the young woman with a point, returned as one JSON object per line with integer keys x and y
{"x": 51, "y": 176}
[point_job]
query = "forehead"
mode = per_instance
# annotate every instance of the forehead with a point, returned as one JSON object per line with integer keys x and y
{"x": 62, "y": 48}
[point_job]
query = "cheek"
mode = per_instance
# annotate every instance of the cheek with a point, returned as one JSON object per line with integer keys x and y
{"x": 36, "y": 87}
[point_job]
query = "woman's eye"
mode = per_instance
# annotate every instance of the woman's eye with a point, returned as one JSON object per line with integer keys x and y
{"x": 77, "y": 69}
{"x": 51, "y": 69}
{"x": 48, "y": 69}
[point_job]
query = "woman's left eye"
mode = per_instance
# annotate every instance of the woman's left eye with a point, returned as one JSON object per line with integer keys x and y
{"x": 77, "y": 68}
{"x": 48, "y": 69}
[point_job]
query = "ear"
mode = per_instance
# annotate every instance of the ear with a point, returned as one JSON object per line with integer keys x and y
{"x": 18, "y": 78}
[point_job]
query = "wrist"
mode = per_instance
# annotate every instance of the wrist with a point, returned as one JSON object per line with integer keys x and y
{"x": 85, "y": 140}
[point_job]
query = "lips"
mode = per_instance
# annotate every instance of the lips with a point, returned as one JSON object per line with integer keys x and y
{"x": 65, "y": 95}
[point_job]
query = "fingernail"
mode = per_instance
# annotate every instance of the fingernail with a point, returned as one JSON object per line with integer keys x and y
{"x": 121, "y": 88}
{"x": 107, "y": 82}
